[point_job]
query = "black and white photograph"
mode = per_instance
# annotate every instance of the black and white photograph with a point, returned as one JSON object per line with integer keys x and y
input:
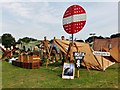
{"x": 68, "y": 71}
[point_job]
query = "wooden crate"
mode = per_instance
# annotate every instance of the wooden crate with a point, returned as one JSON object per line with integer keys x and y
{"x": 35, "y": 64}
{"x": 28, "y": 62}
{"x": 25, "y": 58}
{"x": 18, "y": 63}
{"x": 36, "y": 57}
{"x": 21, "y": 64}
{"x": 15, "y": 63}
{"x": 26, "y": 65}
{"x": 31, "y": 65}
{"x": 22, "y": 58}
{"x": 30, "y": 58}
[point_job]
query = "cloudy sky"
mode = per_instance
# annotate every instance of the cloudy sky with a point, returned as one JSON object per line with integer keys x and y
{"x": 39, "y": 19}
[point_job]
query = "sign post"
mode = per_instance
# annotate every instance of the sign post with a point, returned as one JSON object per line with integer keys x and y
{"x": 74, "y": 20}
{"x": 100, "y": 53}
{"x": 78, "y": 58}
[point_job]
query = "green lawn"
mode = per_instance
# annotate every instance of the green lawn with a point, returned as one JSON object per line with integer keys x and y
{"x": 15, "y": 77}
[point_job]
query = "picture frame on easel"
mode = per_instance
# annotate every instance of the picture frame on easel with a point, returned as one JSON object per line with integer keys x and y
{"x": 68, "y": 71}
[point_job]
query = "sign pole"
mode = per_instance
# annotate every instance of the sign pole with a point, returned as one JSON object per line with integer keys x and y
{"x": 78, "y": 75}
{"x": 72, "y": 37}
{"x": 74, "y": 20}
{"x": 78, "y": 58}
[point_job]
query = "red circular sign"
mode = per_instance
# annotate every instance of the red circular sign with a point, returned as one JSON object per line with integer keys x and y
{"x": 74, "y": 19}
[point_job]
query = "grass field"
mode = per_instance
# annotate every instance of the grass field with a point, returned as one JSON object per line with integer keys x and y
{"x": 15, "y": 77}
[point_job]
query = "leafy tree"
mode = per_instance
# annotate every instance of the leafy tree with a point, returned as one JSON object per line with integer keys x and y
{"x": 107, "y": 37}
{"x": 0, "y": 40}
{"x": 115, "y": 35}
{"x": 26, "y": 39}
{"x": 100, "y": 37}
{"x": 90, "y": 39}
{"x": 8, "y": 40}
{"x": 79, "y": 40}
{"x": 32, "y": 39}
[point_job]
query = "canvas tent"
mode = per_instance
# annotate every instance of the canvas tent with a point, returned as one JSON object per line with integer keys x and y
{"x": 90, "y": 61}
{"x": 109, "y": 45}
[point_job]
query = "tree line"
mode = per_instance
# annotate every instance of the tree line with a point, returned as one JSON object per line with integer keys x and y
{"x": 90, "y": 39}
{"x": 8, "y": 40}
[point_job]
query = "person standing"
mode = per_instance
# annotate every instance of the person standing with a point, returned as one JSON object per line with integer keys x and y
{"x": 62, "y": 38}
{"x": 54, "y": 51}
{"x": 62, "y": 55}
{"x": 45, "y": 43}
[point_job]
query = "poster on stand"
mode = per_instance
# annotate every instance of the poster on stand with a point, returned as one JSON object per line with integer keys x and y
{"x": 68, "y": 71}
